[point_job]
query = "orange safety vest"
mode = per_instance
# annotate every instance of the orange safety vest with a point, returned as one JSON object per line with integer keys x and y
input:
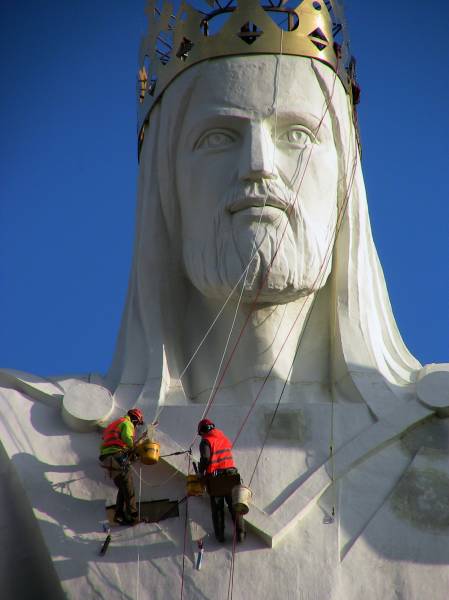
{"x": 221, "y": 451}
{"x": 111, "y": 435}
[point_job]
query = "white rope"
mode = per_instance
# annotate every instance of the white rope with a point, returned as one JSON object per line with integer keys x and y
{"x": 235, "y": 316}
{"x": 253, "y": 249}
{"x": 328, "y": 257}
{"x": 159, "y": 409}
{"x": 244, "y": 274}
{"x": 154, "y": 485}
{"x": 138, "y": 552}
{"x": 331, "y": 450}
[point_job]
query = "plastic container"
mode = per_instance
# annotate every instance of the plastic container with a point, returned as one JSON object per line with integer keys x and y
{"x": 149, "y": 452}
{"x": 194, "y": 486}
{"x": 241, "y": 499}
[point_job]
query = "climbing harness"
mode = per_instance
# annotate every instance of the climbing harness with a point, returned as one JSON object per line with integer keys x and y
{"x": 115, "y": 464}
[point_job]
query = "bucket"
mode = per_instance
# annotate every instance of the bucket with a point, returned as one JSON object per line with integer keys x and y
{"x": 194, "y": 486}
{"x": 241, "y": 498}
{"x": 148, "y": 452}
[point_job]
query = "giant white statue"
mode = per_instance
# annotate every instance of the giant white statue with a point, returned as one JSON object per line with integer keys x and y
{"x": 256, "y": 298}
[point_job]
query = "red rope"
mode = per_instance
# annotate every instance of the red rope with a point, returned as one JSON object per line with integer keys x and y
{"x": 185, "y": 537}
{"x": 254, "y": 303}
{"x": 231, "y": 572}
{"x": 318, "y": 278}
{"x": 338, "y": 226}
{"x": 326, "y": 259}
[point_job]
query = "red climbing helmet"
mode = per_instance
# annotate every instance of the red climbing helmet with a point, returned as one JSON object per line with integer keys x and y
{"x": 204, "y": 426}
{"x": 136, "y": 415}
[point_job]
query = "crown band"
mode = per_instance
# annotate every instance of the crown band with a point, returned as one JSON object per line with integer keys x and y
{"x": 175, "y": 43}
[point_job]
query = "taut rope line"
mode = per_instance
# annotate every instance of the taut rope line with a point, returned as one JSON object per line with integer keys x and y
{"x": 289, "y": 211}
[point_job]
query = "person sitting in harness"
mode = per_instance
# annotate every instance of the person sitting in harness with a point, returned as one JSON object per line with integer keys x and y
{"x": 115, "y": 456}
{"x": 221, "y": 475}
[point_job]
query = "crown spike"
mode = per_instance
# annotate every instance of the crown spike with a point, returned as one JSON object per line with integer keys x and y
{"x": 179, "y": 39}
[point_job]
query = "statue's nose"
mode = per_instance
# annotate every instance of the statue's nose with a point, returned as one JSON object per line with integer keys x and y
{"x": 257, "y": 155}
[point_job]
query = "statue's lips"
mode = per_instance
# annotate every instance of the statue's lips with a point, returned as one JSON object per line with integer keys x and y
{"x": 257, "y": 202}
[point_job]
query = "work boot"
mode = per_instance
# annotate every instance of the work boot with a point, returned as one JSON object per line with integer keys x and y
{"x": 119, "y": 517}
{"x": 125, "y": 519}
{"x": 131, "y": 519}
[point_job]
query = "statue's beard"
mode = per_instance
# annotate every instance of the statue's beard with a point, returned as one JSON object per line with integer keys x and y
{"x": 289, "y": 251}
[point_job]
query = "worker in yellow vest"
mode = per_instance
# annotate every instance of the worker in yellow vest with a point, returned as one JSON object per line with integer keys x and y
{"x": 115, "y": 456}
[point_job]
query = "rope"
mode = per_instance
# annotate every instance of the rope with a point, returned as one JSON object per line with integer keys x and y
{"x": 185, "y": 536}
{"x": 324, "y": 263}
{"x": 337, "y": 229}
{"x": 138, "y": 552}
{"x": 245, "y": 271}
{"x": 232, "y": 566}
{"x": 211, "y": 326}
{"x": 231, "y": 571}
{"x": 331, "y": 453}
{"x": 176, "y": 453}
{"x": 288, "y": 212}
{"x": 169, "y": 478}
{"x": 321, "y": 274}
{"x": 253, "y": 249}
{"x": 155, "y": 485}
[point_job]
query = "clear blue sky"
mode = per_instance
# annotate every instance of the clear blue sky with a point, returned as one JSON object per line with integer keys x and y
{"x": 68, "y": 172}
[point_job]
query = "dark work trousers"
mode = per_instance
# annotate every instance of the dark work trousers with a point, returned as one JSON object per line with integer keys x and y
{"x": 119, "y": 469}
{"x": 218, "y": 519}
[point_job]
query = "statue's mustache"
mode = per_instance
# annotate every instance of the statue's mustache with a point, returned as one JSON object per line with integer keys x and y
{"x": 260, "y": 194}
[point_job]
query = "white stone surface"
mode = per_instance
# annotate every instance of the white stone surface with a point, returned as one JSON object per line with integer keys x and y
{"x": 199, "y": 232}
{"x": 37, "y": 387}
{"x": 225, "y": 134}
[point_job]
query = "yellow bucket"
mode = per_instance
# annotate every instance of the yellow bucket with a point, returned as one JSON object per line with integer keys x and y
{"x": 241, "y": 498}
{"x": 194, "y": 486}
{"x": 148, "y": 452}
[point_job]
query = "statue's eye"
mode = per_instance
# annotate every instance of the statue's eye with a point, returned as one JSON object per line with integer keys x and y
{"x": 215, "y": 139}
{"x": 297, "y": 136}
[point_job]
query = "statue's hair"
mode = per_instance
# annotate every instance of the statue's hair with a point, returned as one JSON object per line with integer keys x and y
{"x": 367, "y": 350}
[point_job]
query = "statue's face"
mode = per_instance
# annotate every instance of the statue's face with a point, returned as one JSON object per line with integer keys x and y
{"x": 250, "y": 137}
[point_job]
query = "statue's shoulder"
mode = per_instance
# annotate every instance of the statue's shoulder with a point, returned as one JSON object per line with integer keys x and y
{"x": 83, "y": 400}
{"x": 432, "y": 387}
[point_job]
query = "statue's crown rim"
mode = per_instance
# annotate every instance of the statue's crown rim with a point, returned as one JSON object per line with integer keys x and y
{"x": 176, "y": 42}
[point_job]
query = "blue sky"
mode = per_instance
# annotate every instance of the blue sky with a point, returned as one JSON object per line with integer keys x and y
{"x": 68, "y": 172}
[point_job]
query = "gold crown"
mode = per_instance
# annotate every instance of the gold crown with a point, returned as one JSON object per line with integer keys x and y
{"x": 234, "y": 27}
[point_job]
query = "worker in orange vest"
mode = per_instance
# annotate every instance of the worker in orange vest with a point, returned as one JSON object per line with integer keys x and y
{"x": 217, "y": 461}
{"x": 115, "y": 456}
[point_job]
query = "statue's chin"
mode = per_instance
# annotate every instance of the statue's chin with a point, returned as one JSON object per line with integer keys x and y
{"x": 278, "y": 273}
{"x": 262, "y": 289}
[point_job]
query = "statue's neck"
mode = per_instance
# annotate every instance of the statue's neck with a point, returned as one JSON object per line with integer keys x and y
{"x": 264, "y": 341}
